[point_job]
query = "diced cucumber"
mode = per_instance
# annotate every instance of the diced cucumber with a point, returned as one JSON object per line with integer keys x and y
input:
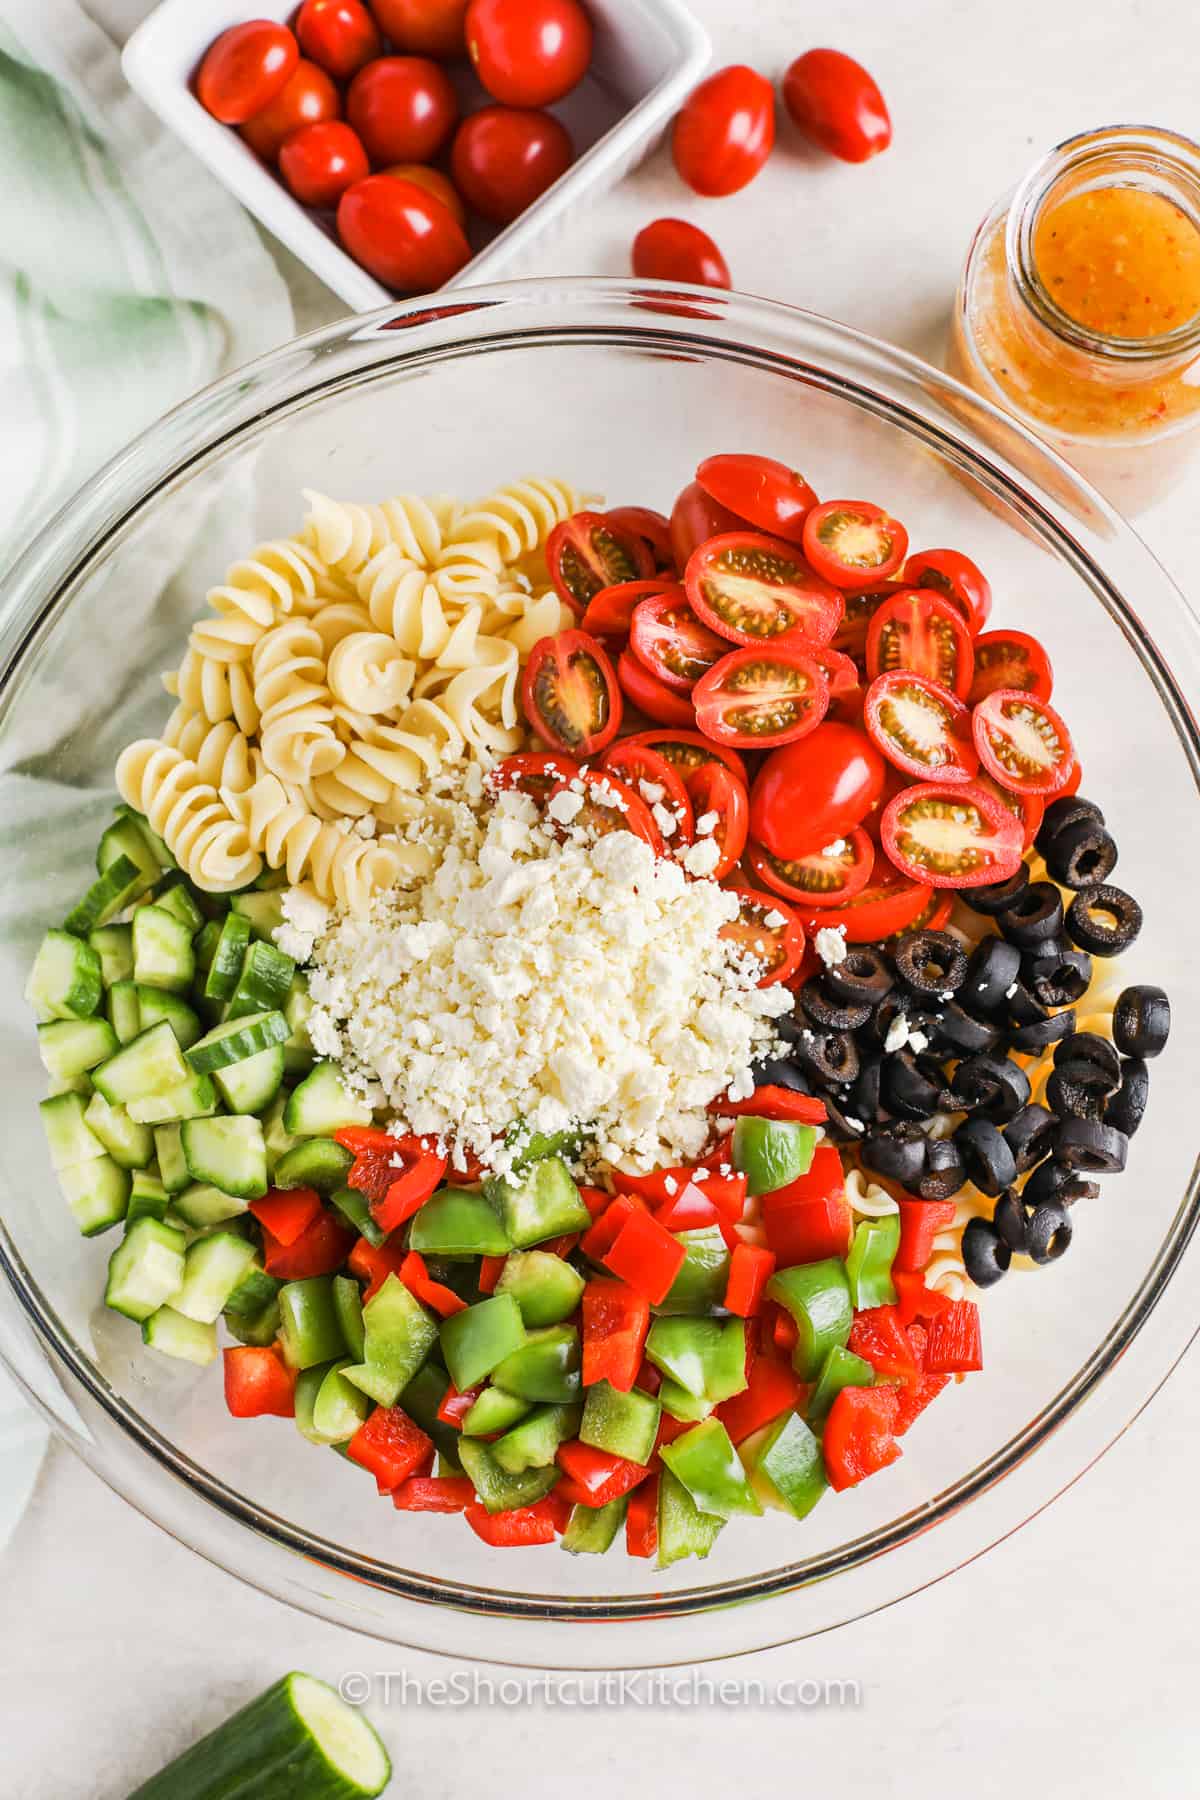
{"x": 263, "y": 983}
{"x": 195, "y": 1098}
{"x": 64, "y": 1121}
{"x": 251, "y": 1085}
{"x": 255, "y": 1290}
{"x": 127, "y": 1142}
{"x": 70, "y": 1047}
{"x": 298, "y": 1052}
{"x": 232, "y": 943}
{"x": 65, "y": 980}
{"x": 147, "y": 1197}
{"x": 315, "y": 1162}
{"x": 132, "y": 838}
{"x": 185, "y": 1339}
{"x": 69, "y": 1084}
{"x": 263, "y": 912}
{"x": 172, "y": 1164}
{"x": 162, "y": 950}
{"x": 202, "y": 1204}
{"x": 339, "y": 1408}
{"x": 177, "y": 899}
{"x": 159, "y": 1003}
{"x": 236, "y": 1040}
{"x": 124, "y": 1012}
{"x": 322, "y": 1104}
{"x": 109, "y": 894}
{"x": 277, "y": 1139}
{"x": 145, "y": 1269}
{"x": 151, "y": 1064}
{"x": 229, "y": 1152}
{"x": 113, "y": 944}
{"x": 97, "y": 1193}
{"x": 204, "y": 947}
{"x": 213, "y": 1267}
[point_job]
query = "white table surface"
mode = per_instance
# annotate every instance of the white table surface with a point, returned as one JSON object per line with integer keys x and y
{"x": 1065, "y": 1662}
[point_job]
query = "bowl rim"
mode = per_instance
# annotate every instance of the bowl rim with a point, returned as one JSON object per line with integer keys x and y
{"x": 768, "y": 336}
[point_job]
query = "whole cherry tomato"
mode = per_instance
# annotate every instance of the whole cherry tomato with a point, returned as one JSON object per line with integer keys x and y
{"x": 403, "y": 108}
{"x": 836, "y": 103}
{"x": 435, "y": 183}
{"x": 341, "y": 35}
{"x": 244, "y": 69}
{"x": 319, "y": 162}
{"x": 725, "y": 131}
{"x": 529, "y": 52}
{"x": 811, "y": 793}
{"x": 695, "y": 517}
{"x": 424, "y": 27}
{"x": 673, "y": 250}
{"x": 309, "y": 98}
{"x": 773, "y": 497}
{"x": 401, "y": 234}
{"x": 505, "y": 157}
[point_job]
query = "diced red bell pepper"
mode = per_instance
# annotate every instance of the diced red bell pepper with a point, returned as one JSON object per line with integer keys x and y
{"x": 915, "y": 1300}
{"x": 434, "y": 1493}
{"x": 601, "y": 1234}
{"x": 599, "y": 1475}
{"x": 523, "y": 1526}
{"x": 860, "y": 1437}
{"x": 773, "y": 1389}
{"x": 646, "y": 1256}
{"x": 688, "y": 1209}
{"x": 810, "y": 1219}
{"x": 912, "y": 1400}
{"x": 781, "y": 1327}
{"x": 423, "y": 1169}
{"x": 825, "y": 1179}
{"x": 373, "y": 1263}
{"x": 489, "y": 1272}
{"x": 668, "y": 1430}
{"x": 455, "y": 1406}
{"x": 955, "y": 1340}
{"x": 596, "y": 1199}
{"x": 258, "y": 1383}
{"x": 750, "y": 1269}
{"x": 561, "y": 1246}
{"x": 773, "y": 1103}
{"x": 465, "y": 1167}
{"x": 878, "y": 1336}
{"x": 373, "y": 1170}
{"x": 654, "y": 1188}
{"x": 648, "y": 1378}
{"x": 287, "y": 1212}
{"x": 390, "y": 1445}
{"x": 321, "y": 1249}
{"x": 920, "y": 1222}
{"x": 641, "y": 1520}
{"x": 615, "y": 1321}
{"x": 434, "y": 1294}
{"x": 727, "y": 1193}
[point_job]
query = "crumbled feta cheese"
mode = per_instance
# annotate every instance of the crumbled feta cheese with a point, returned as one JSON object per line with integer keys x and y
{"x": 666, "y": 820}
{"x": 707, "y": 823}
{"x": 837, "y": 848}
{"x": 671, "y": 1185}
{"x": 366, "y": 826}
{"x": 897, "y": 1033}
{"x": 304, "y": 919}
{"x": 701, "y": 859}
{"x": 774, "y": 920}
{"x": 565, "y": 806}
{"x": 917, "y": 1041}
{"x": 830, "y": 945}
{"x": 651, "y": 791}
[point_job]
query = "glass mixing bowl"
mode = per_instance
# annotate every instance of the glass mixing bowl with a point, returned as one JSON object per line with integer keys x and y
{"x": 622, "y": 390}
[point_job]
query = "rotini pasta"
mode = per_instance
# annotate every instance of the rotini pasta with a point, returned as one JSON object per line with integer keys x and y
{"x": 296, "y": 728}
{"x": 369, "y": 672}
{"x": 215, "y": 690}
{"x": 343, "y": 868}
{"x": 207, "y": 841}
{"x": 224, "y": 755}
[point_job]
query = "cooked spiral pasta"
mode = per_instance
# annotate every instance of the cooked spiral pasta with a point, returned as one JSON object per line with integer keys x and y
{"x": 217, "y": 690}
{"x": 867, "y": 1199}
{"x": 403, "y": 600}
{"x": 336, "y": 620}
{"x": 369, "y": 672}
{"x": 224, "y": 755}
{"x": 344, "y": 868}
{"x": 518, "y": 518}
{"x": 346, "y": 535}
{"x": 207, "y": 841}
{"x": 296, "y": 730}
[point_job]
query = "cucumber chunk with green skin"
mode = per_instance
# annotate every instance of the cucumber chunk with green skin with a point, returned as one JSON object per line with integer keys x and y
{"x": 70, "y": 1047}
{"x": 263, "y": 982}
{"x": 497, "y": 1489}
{"x": 127, "y": 1142}
{"x": 314, "y": 1162}
{"x": 592, "y": 1529}
{"x": 250, "y": 1086}
{"x": 683, "y": 1530}
{"x": 145, "y": 1270}
{"x": 322, "y": 1103}
{"x": 201, "y": 1205}
{"x": 213, "y": 1268}
{"x": 97, "y": 1193}
{"x": 187, "y": 1340}
{"x": 542, "y": 1203}
{"x": 162, "y": 950}
{"x": 229, "y": 1152}
{"x": 533, "y": 1443}
{"x": 277, "y": 1139}
{"x": 236, "y": 1040}
{"x": 228, "y": 956}
{"x": 148, "y": 1198}
{"x": 113, "y": 944}
{"x": 298, "y": 1052}
{"x": 159, "y": 1003}
{"x": 494, "y": 1411}
{"x": 124, "y": 1011}
{"x": 298, "y": 1741}
{"x": 546, "y": 1288}
{"x": 177, "y": 899}
{"x": 195, "y": 1098}
{"x": 255, "y": 1290}
{"x": 65, "y": 980}
{"x": 205, "y": 948}
{"x": 455, "y": 1222}
{"x": 151, "y": 1064}
{"x": 109, "y": 894}
{"x": 263, "y": 912}
{"x": 132, "y": 837}
{"x": 172, "y": 1164}
{"x": 68, "y": 1135}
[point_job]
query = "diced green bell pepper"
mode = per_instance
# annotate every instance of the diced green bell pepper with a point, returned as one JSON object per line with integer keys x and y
{"x": 356, "y": 1208}
{"x": 683, "y": 1530}
{"x": 308, "y": 1386}
{"x": 455, "y": 1222}
{"x": 259, "y": 1328}
{"x": 545, "y": 1367}
{"x": 339, "y": 1408}
{"x": 476, "y": 1340}
{"x": 494, "y": 1411}
{"x": 623, "y": 1424}
{"x": 772, "y": 1153}
{"x": 399, "y": 1333}
{"x": 546, "y": 1288}
{"x": 498, "y": 1490}
{"x": 541, "y": 1203}
{"x": 700, "y": 1285}
{"x": 591, "y": 1529}
{"x": 705, "y": 1356}
{"x": 869, "y": 1263}
{"x": 840, "y": 1369}
{"x": 709, "y": 1467}
{"x": 534, "y": 1146}
{"x": 533, "y": 1443}
{"x": 308, "y": 1322}
{"x": 421, "y": 1400}
{"x": 817, "y": 1295}
{"x": 679, "y": 1404}
{"x": 347, "y": 1303}
{"x": 788, "y": 1468}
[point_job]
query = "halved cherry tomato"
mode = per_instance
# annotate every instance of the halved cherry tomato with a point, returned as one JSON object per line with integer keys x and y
{"x": 920, "y": 631}
{"x": 951, "y": 836}
{"x": 529, "y": 52}
{"x": 851, "y": 635}
{"x": 587, "y": 553}
{"x": 696, "y": 517}
{"x": 435, "y": 183}
{"x": 932, "y": 917}
{"x": 763, "y": 697}
{"x": 571, "y": 695}
{"x": 753, "y": 589}
{"x": 609, "y": 804}
{"x": 668, "y": 639}
{"x": 533, "y": 773}
{"x": 836, "y": 102}
{"x": 1071, "y": 785}
{"x": 610, "y": 612}
{"x": 920, "y": 726}
{"x": 341, "y": 35}
{"x": 889, "y": 903}
{"x": 725, "y": 130}
{"x": 1010, "y": 659}
{"x": 644, "y": 769}
{"x": 1022, "y": 742}
{"x": 424, "y": 27}
{"x": 853, "y": 542}
{"x": 688, "y": 751}
{"x": 827, "y": 877}
{"x": 505, "y": 157}
{"x": 956, "y": 577}
{"x": 1029, "y": 808}
{"x": 810, "y": 793}
{"x": 652, "y": 696}
{"x": 319, "y": 162}
{"x": 840, "y": 671}
{"x": 402, "y": 107}
{"x": 719, "y": 800}
{"x": 769, "y": 930}
{"x": 774, "y": 498}
{"x": 245, "y": 69}
{"x": 308, "y": 97}
{"x": 398, "y": 231}
{"x": 654, "y": 529}
{"x": 674, "y": 250}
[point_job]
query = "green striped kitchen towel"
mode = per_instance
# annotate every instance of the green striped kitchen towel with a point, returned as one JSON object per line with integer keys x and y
{"x": 128, "y": 279}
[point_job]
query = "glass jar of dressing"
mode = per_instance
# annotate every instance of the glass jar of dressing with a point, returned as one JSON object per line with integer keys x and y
{"x": 1079, "y": 307}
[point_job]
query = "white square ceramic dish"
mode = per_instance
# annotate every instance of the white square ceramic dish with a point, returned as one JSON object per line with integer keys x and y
{"x": 648, "y": 56}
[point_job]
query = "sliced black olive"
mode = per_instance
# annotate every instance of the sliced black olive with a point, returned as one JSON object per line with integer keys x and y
{"x": 1104, "y": 920}
{"x": 900, "y": 1006}
{"x": 1024, "y": 1007}
{"x": 897, "y": 1152}
{"x": 829, "y": 1057}
{"x": 930, "y": 963}
{"x": 1092, "y": 1146}
{"x": 989, "y": 1161}
{"x": 780, "y": 1071}
{"x": 1054, "y": 1181}
{"x": 991, "y": 1087}
{"x": 998, "y": 896}
{"x": 864, "y": 1100}
{"x": 1127, "y": 1107}
{"x": 944, "y": 1173}
{"x": 863, "y": 976}
{"x": 1081, "y": 854}
{"x": 1035, "y": 917}
{"x": 985, "y": 1254}
{"x": 1010, "y": 1219}
{"x": 1048, "y": 1232}
{"x": 840, "y": 1127}
{"x": 1071, "y": 1099}
{"x": 1090, "y": 1060}
{"x": 1057, "y": 975}
{"x": 828, "y": 1012}
{"x": 1043, "y": 1032}
{"x": 1061, "y": 813}
{"x": 911, "y": 1086}
{"x": 1142, "y": 1021}
{"x": 992, "y": 970}
{"x": 1029, "y": 1134}
{"x": 962, "y": 1035}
